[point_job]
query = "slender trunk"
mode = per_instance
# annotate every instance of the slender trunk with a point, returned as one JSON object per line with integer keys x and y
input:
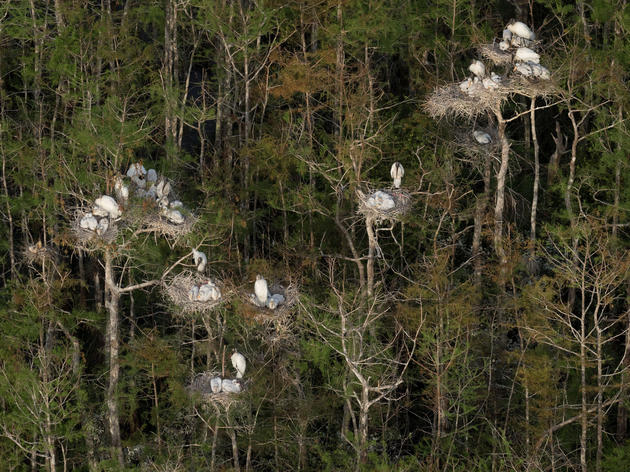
{"x": 532, "y": 114}
{"x": 480, "y": 209}
{"x": 363, "y": 427}
{"x": 622, "y": 411}
{"x": 583, "y": 385}
{"x": 500, "y": 199}
{"x": 372, "y": 242}
{"x": 112, "y": 302}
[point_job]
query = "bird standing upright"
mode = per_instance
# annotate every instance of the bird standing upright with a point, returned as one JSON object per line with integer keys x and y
{"x": 200, "y": 260}
{"x": 261, "y": 290}
{"x": 397, "y": 172}
{"x": 239, "y": 363}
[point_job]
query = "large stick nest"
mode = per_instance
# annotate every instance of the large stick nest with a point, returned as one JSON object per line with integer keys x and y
{"x": 278, "y": 323}
{"x": 146, "y": 214}
{"x": 178, "y": 287}
{"x": 402, "y": 201}
{"x": 466, "y": 142}
{"x": 37, "y": 253}
{"x": 495, "y": 55}
{"x": 87, "y": 239}
{"x": 200, "y": 385}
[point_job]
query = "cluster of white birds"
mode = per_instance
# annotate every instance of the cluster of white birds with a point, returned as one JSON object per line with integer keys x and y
{"x": 217, "y": 384}
{"x": 519, "y": 39}
{"x": 262, "y": 297}
{"x": 482, "y": 137}
{"x": 205, "y": 292}
{"x": 480, "y": 81}
{"x": 104, "y": 212}
{"x": 157, "y": 191}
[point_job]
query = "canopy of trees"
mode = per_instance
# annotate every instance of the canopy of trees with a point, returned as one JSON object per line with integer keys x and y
{"x": 484, "y": 324}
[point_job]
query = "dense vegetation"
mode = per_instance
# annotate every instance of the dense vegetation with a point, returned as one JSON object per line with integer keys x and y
{"x": 468, "y": 335}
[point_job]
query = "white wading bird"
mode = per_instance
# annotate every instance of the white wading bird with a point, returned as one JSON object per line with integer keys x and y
{"x": 477, "y": 68}
{"x": 173, "y": 216}
{"x": 397, "y": 172}
{"x": 89, "y": 222}
{"x": 275, "y": 301}
{"x": 193, "y": 293}
{"x": 521, "y": 29}
{"x": 151, "y": 176}
{"x": 381, "y": 201}
{"x": 531, "y": 69}
{"x": 261, "y": 290}
{"x": 109, "y": 205}
{"x": 102, "y": 227}
{"x": 215, "y": 384}
{"x": 230, "y": 386}
{"x": 239, "y": 363}
{"x": 482, "y": 137}
{"x": 200, "y": 260}
{"x": 526, "y": 55}
{"x": 121, "y": 190}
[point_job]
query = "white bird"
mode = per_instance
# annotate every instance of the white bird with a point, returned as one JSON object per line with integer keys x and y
{"x": 239, "y": 363}
{"x": 507, "y": 35}
{"x": 151, "y": 175}
{"x": 488, "y": 83}
{"x": 531, "y": 69}
{"x": 136, "y": 169}
{"x": 102, "y": 227}
{"x": 215, "y": 384}
{"x": 481, "y": 137}
{"x": 504, "y": 45}
{"x": 397, "y": 172}
{"x": 230, "y": 386}
{"x": 109, "y": 205}
{"x": 175, "y": 204}
{"x": 477, "y": 68}
{"x": 193, "y": 293}
{"x": 275, "y": 301}
{"x": 200, "y": 260}
{"x": 121, "y": 190}
{"x": 173, "y": 216}
{"x": 526, "y": 55}
{"x": 205, "y": 292}
{"x": 464, "y": 85}
{"x": 163, "y": 188}
{"x": 381, "y": 201}
{"x": 521, "y": 29}
{"x": 261, "y": 290}
{"x": 215, "y": 293}
{"x": 88, "y": 222}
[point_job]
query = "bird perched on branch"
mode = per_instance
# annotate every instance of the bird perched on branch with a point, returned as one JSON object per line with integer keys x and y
{"x": 261, "y": 290}
{"x": 397, "y": 172}
{"x": 89, "y": 222}
{"x": 239, "y": 363}
{"x": 521, "y": 29}
{"x": 200, "y": 260}
{"x": 108, "y": 205}
{"x": 121, "y": 190}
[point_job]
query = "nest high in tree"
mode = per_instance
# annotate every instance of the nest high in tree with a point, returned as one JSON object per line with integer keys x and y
{"x": 177, "y": 291}
{"x": 200, "y": 385}
{"x": 402, "y": 204}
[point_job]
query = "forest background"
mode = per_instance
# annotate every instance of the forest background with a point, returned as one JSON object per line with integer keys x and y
{"x": 487, "y": 329}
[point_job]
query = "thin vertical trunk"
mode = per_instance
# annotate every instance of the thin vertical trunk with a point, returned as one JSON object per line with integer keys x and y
{"x": 500, "y": 199}
{"x": 372, "y": 243}
{"x": 583, "y": 385}
{"x": 480, "y": 209}
{"x": 112, "y": 302}
{"x": 532, "y": 114}
{"x": 622, "y": 411}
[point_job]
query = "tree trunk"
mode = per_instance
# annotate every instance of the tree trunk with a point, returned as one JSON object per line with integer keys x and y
{"x": 500, "y": 199}
{"x": 112, "y": 302}
{"x": 532, "y": 113}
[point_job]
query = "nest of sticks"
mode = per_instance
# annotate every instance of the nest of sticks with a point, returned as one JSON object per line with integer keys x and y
{"x": 145, "y": 214}
{"x": 402, "y": 200}
{"x": 85, "y": 237}
{"x": 466, "y": 142}
{"x": 37, "y": 253}
{"x": 178, "y": 287}
{"x": 450, "y": 100}
{"x": 277, "y": 322}
{"x": 200, "y": 385}
{"x": 493, "y": 53}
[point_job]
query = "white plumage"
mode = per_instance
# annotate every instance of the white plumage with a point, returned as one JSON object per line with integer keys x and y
{"x": 193, "y": 293}
{"x": 261, "y": 290}
{"x": 521, "y": 29}
{"x": 488, "y": 83}
{"x": 109, "y": 205}
{"x": 121, "y": 190}
{"x": 152, "y": 175}
{"x": 504, "y": 45}
{"x": 205, "y": 292}
{"x": 102, "y": 227}
{"x": 175, "y": 204}
{"x": 275, "y": 301}
{"x": 200, "y": 260}
{"x": 477, "y": 68}
{"x": 230, "y": 386}
{"x": 482, "y": 137}
{"x": 136, "y": 169}
{"x": 526, "y": 55}
{"x": 239, "y": 363}
{"x": 88, "y": 222}
{"x": 507, "y": 35}
{"x": 163, "y": 188}
{"x": 381, "y": 201}
{"x": 215, "y": 384}
{"x": 464, "y": 85}
{"x": 173, "y": 216}
{"x": 531, "y": 69}
{"x": 397, "y": 172}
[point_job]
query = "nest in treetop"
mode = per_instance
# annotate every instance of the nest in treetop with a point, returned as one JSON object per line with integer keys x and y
{"x": 466, "y": 142}
{"x": 145, "y": 214}
{"x": 450, "y": 100}
{"x": 402, "y": 204}
{"x": 200, "y": 385}
{"x": 178, "y": 287}
{"x": 88, "y": 239}
{"x": 280, "y": 314}
{"x": 37, "y": 253}
{"x": 495, "y": 55}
